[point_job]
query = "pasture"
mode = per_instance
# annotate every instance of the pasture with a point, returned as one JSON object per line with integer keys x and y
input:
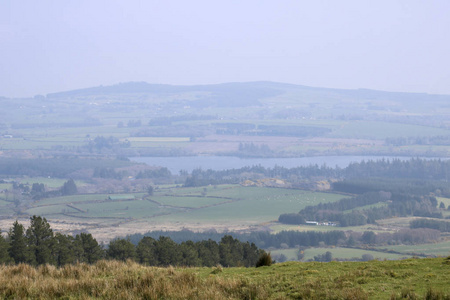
{"x": 383, "y": 130}
{"x": 438, "y": 249}
{"x": 49, "y": 182}
{"x": 200, "y": 208}
{"x": 337, "y": 253}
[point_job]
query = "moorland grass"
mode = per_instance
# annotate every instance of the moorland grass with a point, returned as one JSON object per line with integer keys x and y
{"x": 413, "y": 278}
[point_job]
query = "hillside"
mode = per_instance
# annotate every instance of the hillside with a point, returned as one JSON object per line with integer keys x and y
{"x": 407, "y": 279}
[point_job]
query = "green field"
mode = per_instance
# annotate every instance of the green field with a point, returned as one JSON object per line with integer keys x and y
{"x": 337, "y": 252}
{"x": 383, "y": 130}
{"x": 78, "y": 198}
{"x": 47, "y": 181}
{"x": 220, "y": 204}
{"x": 438, "y": 249}
{"x": 186, "y": 201}
{"x": 252, "y": 204}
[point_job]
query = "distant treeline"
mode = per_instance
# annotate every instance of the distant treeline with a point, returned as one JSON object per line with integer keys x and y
{"x": 428, "y": 173}
{"x": 60, "y": 167}
{"x": 228, "y": 252}
{"x": 38, "y": 190}
{"x": 38, "y": 245}
{"x": 253, "y": 150}
{"x": 443, "y": 226}
{"x": 166, "y": 121}
{"x": 367, "y": 208}
{"x": 443, "y": 140}
{"x": 301, "y": 239}
{"x": 393, "y": 185}
{"x": 269, "y": 130}
{"x": 100, "y": 143}
{"x": 175, "y": 130}
{"x": 87, "y": 122}
{"x": 261, "y": 239}
{"x": 420, "y": 169}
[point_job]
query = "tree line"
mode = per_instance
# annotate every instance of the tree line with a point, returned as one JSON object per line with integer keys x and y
{"x": 394, "y": 185}
{"x": 421, "y": 173}
{"x": 228, "y": 252}
{"x": 443, "y": 226}
{"x": 366, "y": 208}
{"x": 432, "y": 173}
{"x": 38, "y": 245}
{"x": 300, "y": 239}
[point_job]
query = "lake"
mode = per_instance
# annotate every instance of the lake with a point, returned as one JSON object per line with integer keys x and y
{"x": 189, "y": 163}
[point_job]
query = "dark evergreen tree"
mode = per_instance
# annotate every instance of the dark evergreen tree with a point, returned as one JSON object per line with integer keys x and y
{"x": 146, "y": 251}
{"x": 37, "y": 190}
{"x": 190, "y": 254}
{"x": 208, "y": 252}
{"x": 5, "y": 258}
{"x": 18, "y": 249}
{"x": 168, "y": 252}
{"x": 87, "y": 248}
{"x": 121, "y": 249}
{"x": 251, "y": 254}
{"x": 40, "y": 240}
{"x": 69, "y": 188}
{"x": 64, "y": 250}
{"x": 231, "y": 252}
{"x": 150, "y": 190}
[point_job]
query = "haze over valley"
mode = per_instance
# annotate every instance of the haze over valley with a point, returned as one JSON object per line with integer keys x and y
{"x": 153, "y": 150}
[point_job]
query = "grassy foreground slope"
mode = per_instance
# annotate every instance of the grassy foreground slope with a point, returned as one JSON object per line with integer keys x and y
{"x": 412, "y": 279}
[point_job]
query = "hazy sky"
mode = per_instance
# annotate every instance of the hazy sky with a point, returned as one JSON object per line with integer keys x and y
{"x": 49, "y": 46}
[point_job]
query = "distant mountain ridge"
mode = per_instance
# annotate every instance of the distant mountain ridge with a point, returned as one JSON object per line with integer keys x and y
{"x": 264, "y": 87}
{"x": 251, "y": 94}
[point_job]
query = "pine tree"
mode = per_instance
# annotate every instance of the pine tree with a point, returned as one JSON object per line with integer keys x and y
{"x": 5, "y": 258}
{"x": 190, "y": 254}
{"x": 87, "y": 248}
{"x": 168, "y": 252}
{"x": 145, "y": 251}
{"x": 208, "y": 252}
{"x": 64, "y": 250}
{"x": 121, "y": 249}
{"x": 18, "y": 249}
{"x": 40, "y": 240}
{"x": 69, "y": 188}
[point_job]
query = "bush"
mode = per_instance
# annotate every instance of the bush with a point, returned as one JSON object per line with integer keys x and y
{"x": 264, "y": 260}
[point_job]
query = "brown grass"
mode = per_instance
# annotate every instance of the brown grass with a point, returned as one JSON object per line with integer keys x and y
{"x": 118, "y": 280}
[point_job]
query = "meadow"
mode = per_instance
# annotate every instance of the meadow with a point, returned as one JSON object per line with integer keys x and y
{"x": 405, "y": 279}
{"x": 206, "y": 205}
{"x": 337, "y": 253}
{"x": 438, "y": 249}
